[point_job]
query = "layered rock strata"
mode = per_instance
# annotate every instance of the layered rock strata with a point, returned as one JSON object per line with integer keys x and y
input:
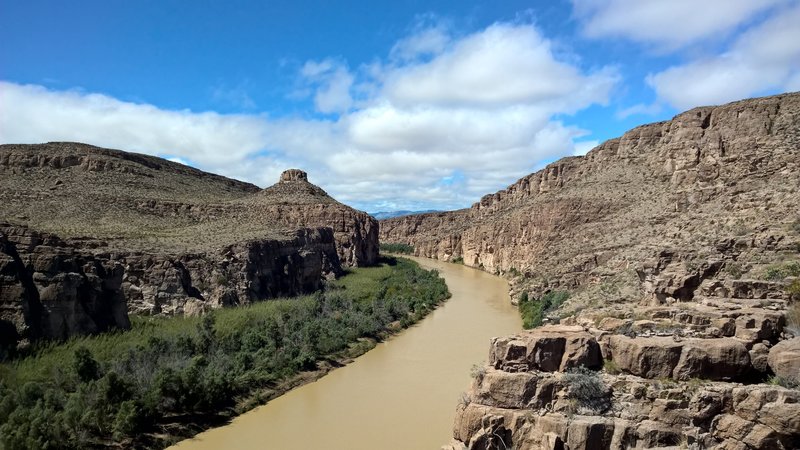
{"x": 715, "y": 185}
{"x": 94, "y": 234}
{"x": 526, "y": 397}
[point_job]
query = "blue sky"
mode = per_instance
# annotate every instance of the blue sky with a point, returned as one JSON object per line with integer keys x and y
{"x": 391, "y": 105}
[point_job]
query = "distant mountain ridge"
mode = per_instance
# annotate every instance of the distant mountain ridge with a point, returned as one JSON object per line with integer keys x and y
{"x": 390, "y": 214}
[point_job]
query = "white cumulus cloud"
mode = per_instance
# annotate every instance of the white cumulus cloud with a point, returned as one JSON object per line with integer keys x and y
{"x": 33, "y": 114}
{"x": 668, "y": 24}
{"x": 500, "y": 66}
{"x": 765, "y": 58}
{"x": 333, "y": 82}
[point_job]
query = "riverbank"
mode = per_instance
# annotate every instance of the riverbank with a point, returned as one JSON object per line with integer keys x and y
{"x": 172, "y": 377}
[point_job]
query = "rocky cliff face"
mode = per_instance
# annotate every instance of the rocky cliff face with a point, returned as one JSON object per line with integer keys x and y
{"x": 94, "y": 234}
{"x": 527, "y": 397}
{"x": 293, "y": 201}
{"x": 50, "y": 290}
{"x": 680, "y": 246}
{"x": 710, "y": 175}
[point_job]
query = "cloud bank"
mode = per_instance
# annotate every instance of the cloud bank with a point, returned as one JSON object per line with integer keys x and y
{"x": 733, "y": 49}
{"x": 668, "y": 25}
{"x": 766, "y": 57}
{"x": 439, "y": 122}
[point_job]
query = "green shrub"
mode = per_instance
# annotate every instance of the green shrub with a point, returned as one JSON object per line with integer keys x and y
{"x": 796, "y": 226}
{"x": 789, "y": 383}
{"x": 778, "y": 272}
{"x": 404, "y": 249}
{"x": 533, "y": 311}
{"x": 459, "y": 260}
{"x": 477, "y": 372}
{"x": 734, "y": 269}
{"x": 611, "y": 367}
{"x": 85, "y": 365}
{"x": 794, "y": 288}
{"x": 793, "y": 313}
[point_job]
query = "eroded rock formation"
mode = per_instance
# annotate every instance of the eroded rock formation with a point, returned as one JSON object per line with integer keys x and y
{"x": 714, "y": 185}
{"x": 94, "y": 234}
{"x": 527, "y": 398}
{"x": 49, "y": 289}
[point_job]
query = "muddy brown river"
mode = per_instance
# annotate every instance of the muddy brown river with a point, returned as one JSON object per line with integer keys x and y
{"x": 401, "y": 395}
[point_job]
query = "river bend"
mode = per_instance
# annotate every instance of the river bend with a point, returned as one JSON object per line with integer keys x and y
{"x": 401, "y": 395}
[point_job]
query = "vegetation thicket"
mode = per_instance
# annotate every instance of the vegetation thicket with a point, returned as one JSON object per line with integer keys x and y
{"x": 168, "y": 377}
{"x": 533, "y": 311}
{"x": 404, "y": 249}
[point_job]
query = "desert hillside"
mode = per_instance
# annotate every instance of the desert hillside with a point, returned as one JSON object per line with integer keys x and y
{"x": 90, "y": 234}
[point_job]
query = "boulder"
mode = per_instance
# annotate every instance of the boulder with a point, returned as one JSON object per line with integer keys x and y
{"x": 505, "y": 390}
{"x": 645, "y": 357}
{"x": 712, "y": 359}
{"x": 548, "y": 349}
{"x": 758, "y": 357}
{"x": 784, "y": 359}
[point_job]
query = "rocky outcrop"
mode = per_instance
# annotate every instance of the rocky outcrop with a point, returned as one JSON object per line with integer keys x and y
{"x": 236, "y": 275}
{"x": 48, "y": 289}
{"x": 546, "y": 349}
{"x": 94, "y": 234}
{"x": 516, "y": 402}
{"x": 679, "y": 243}
{"x": 53, "y": 289}
{"x": 784, "y": 359}
{"x": 293, "y": 201}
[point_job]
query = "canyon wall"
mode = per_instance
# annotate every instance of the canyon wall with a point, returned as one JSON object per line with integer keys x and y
{"x": 713, "y": 183}
{"x": 679, "y": 246}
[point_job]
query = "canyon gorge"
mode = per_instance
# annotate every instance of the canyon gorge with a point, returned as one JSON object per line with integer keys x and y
{"x": 679, "y": 246}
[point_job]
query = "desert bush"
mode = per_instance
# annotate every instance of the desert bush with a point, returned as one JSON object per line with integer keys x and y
{"x": 777, "y": 272}
{"x": 794, "y": 289}
{"x": 789, "y": 383}
{"x": 611, "y": 367}
{"x": 796, "y": 226}
{"x": 533, "y": 311}
{"x": 587, "y": 388}
{"x": 464, "y": 400}
{"x": 793, "y": 316}
{"x": 477, "y": 372}
{"x": 734, "y": 269}
{"x": 85, "y": 365}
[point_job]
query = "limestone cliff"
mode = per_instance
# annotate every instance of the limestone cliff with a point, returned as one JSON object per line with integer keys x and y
{"x": 713, "y": 176}
{"x": 679, "y": 244}
{"x": 90, "y": 235}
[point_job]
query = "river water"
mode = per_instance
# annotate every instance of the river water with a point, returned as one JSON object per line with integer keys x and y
{"x": 401, "y": 395}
